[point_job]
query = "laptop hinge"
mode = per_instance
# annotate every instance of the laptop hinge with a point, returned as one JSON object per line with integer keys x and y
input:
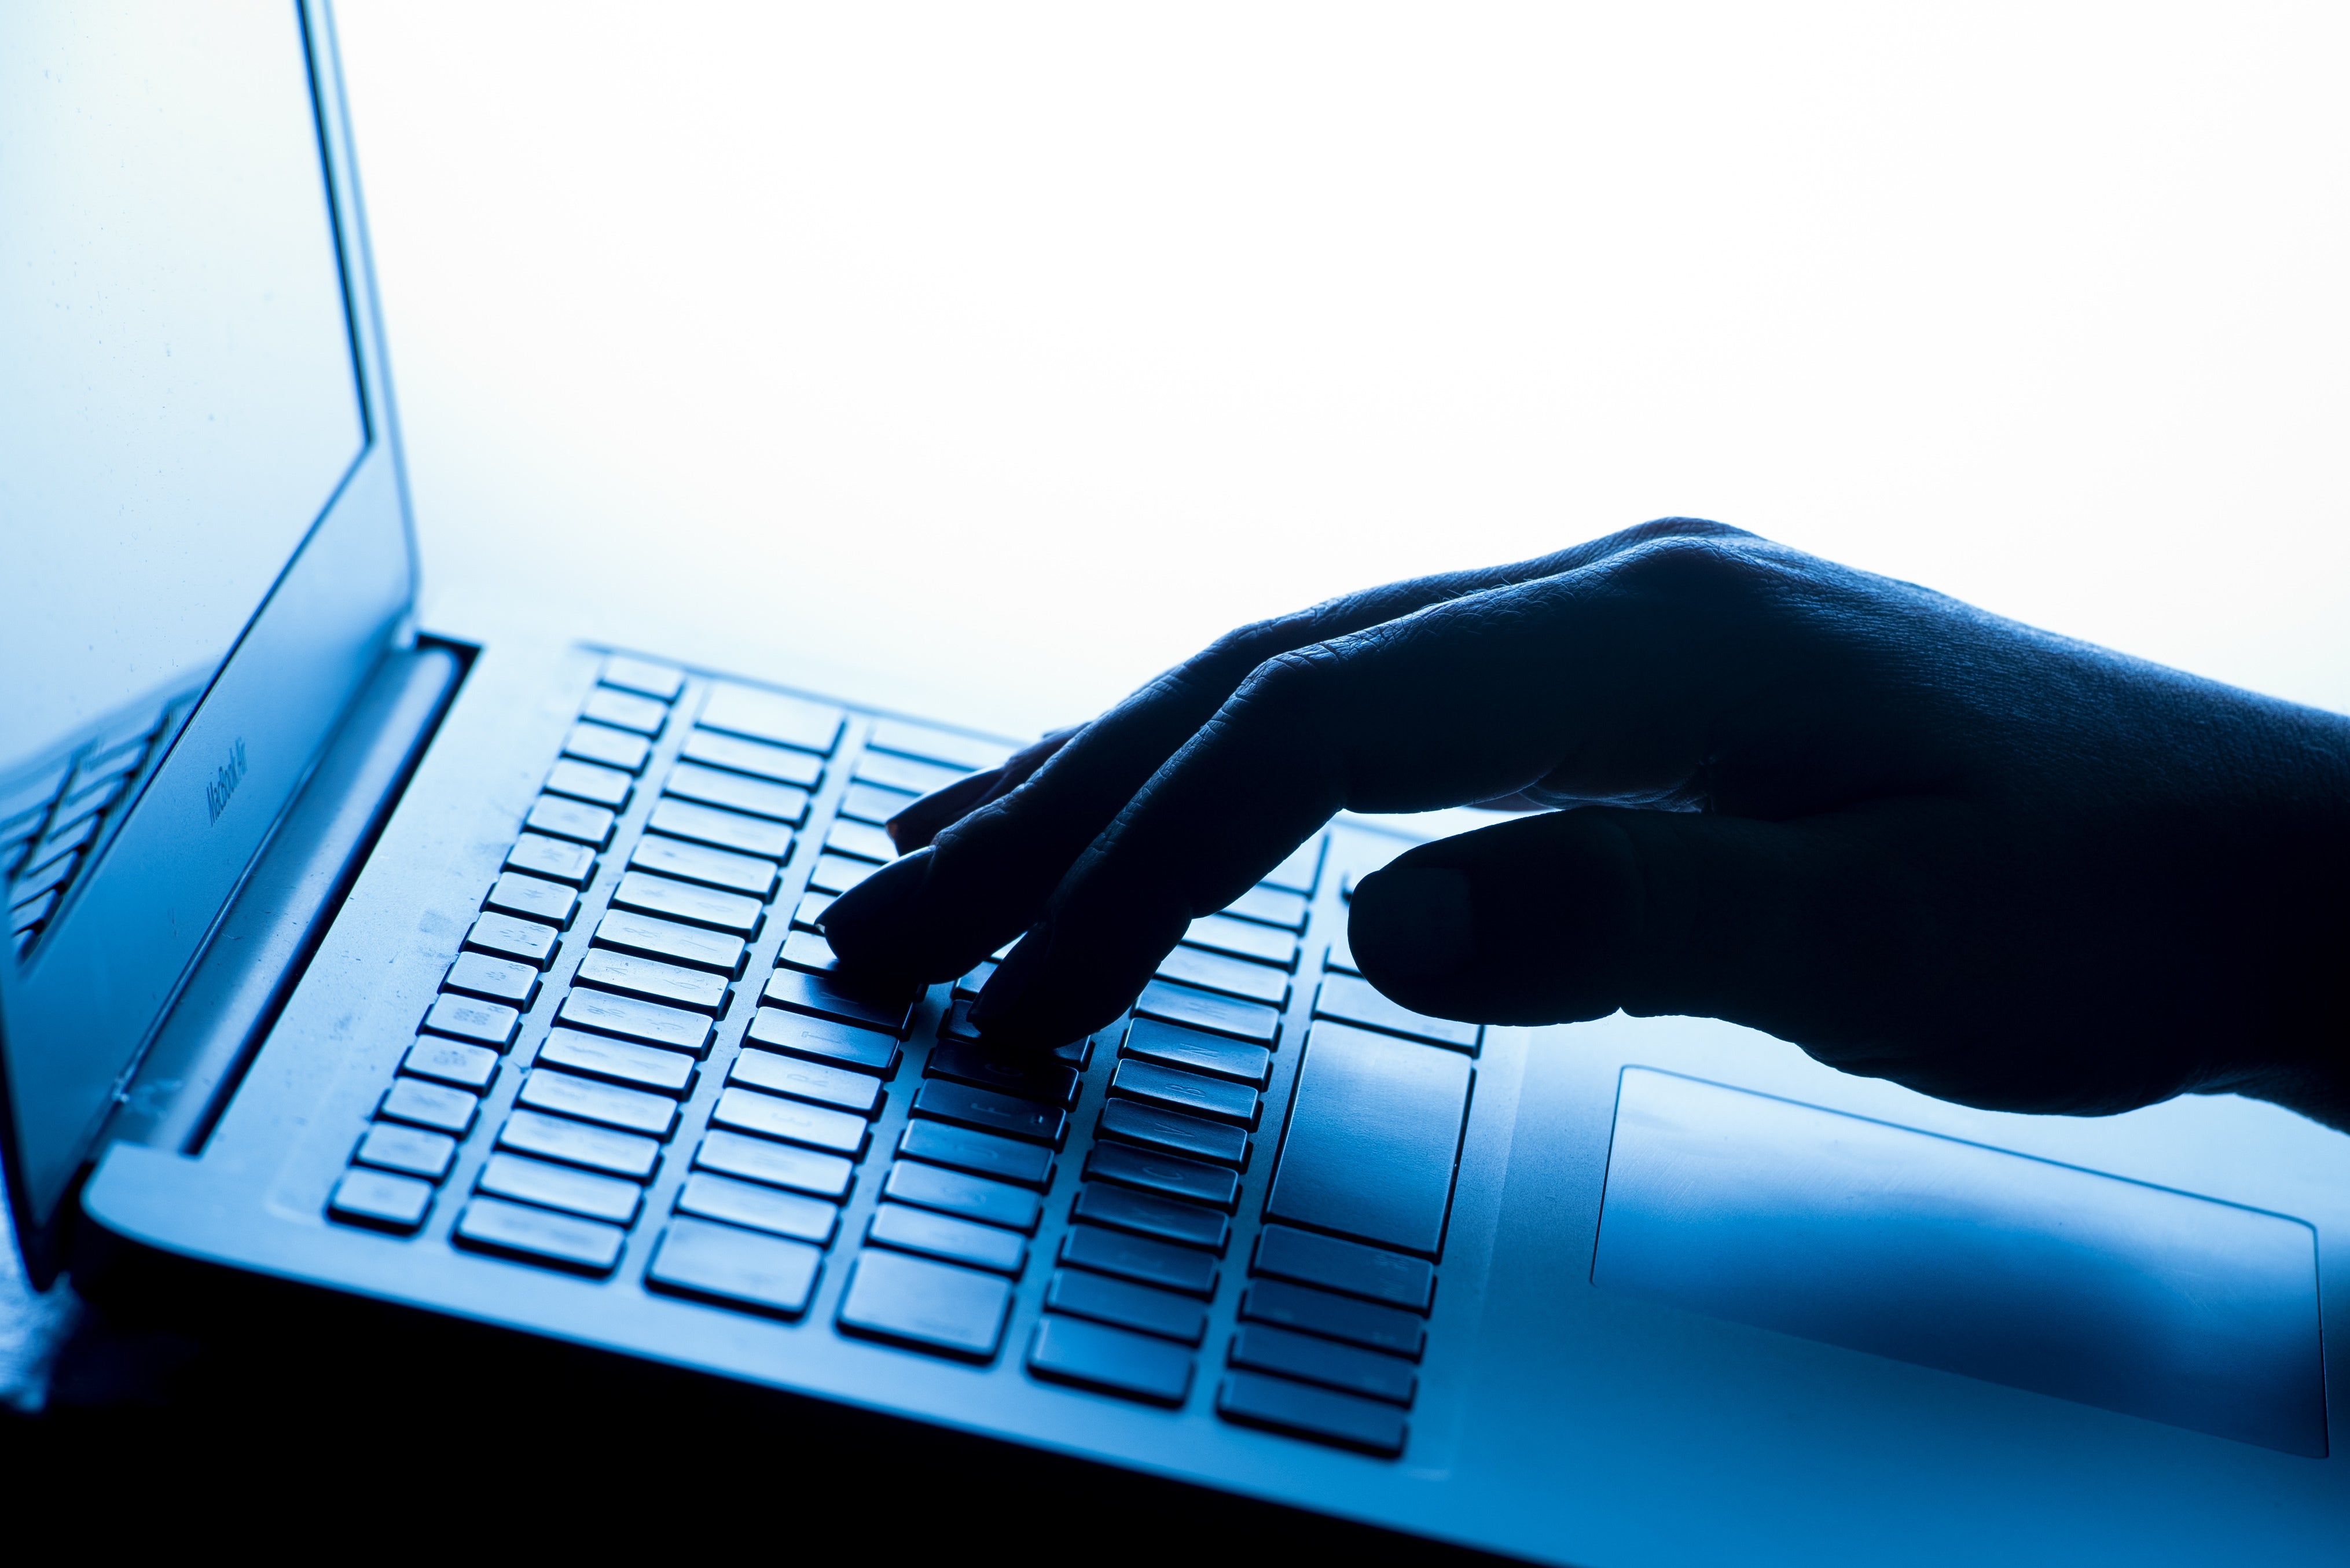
{"x": 274, "y": 923}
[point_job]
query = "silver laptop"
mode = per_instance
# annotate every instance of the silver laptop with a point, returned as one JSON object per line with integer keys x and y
{"x": 466, "y": 968}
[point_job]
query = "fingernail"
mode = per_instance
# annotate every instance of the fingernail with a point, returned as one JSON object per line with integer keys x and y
{"x": 1000, "y": 997}
{"x": 1412, "y": 922}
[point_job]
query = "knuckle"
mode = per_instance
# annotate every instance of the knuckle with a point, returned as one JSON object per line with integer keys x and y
{"x": 1294, "y": 685}
{"x": 1705, "y": 572}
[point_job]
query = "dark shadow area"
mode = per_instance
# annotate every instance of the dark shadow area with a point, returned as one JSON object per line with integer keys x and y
{"x": 274, "y": 1402}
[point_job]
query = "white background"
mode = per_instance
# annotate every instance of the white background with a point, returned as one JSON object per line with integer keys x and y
{"x": 998, "y": 355}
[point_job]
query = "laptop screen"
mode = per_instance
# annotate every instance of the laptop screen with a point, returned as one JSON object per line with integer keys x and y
{"x": 202, "y": 519}
{"x": 179, "y": 401}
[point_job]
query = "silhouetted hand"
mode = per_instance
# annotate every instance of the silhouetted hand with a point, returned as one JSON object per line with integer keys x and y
{"x": 1921, "y": 842}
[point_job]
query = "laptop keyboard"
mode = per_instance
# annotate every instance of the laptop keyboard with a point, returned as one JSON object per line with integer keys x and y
{"x": 632, "y": 1076}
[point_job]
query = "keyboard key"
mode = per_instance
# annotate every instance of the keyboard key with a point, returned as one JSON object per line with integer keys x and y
{"x": 657, "y": 680}
{"x": 526, "y": 940}
{"x": 1301, "y": 871}
{"x": 722, "y": 1198}
{"x": 494, "y": 1225}
{"x": 956, "y": 1026}
{"x": 410, "y": 1149}
{"x": 666, "y": 939}
{"x": 1340, "y": 954}
{"x": 577, "y": 1143}
{"x": 831, "y": 999}
{"x": 1146, "y": 1215}
{"x": 1174, "y": 1091}
{"x": 1244, "y": 938}
{"x": 590, "y": 824}
{"x": 1081, "y": 1294}
{"x": 1068, "y": 1350}
{"x": 971, "y": 1197}
{"x": 754, "y": 757}
{"x": 433, "y": 1105}
{"x": 966, "y": 753}
{"x": 606, "y": 1197}
{"x": 640, "y": 1020}
{"x": 1140, "y": 1259}
{"x": 1310, "y": 1360}
{"x": 532, "y": 897}
{"x": 860, "y": 841}
{"x": 557, "y": 859}
{"x": 1202, "y": 1010}
{"x": 813, "y": 1081}
{"x": 607, "y": 747}
{"x": 1310, "y": 1311}
{"x": 807, "y": 915}
{"x": 808, "y": 952}
{"x": 823, "y": 1040}
{"x": 1043, "y": 1081}
{"x": 1232, "y": 976}
{"x": 1301, "y": 1410}
{"x": 586, "y": 781}
{"x": 1374, "y": 1134}
{"x": 777, "y": 1165}
{"x": 727, "y": 829}
{"x": 1271, "y": 907}
{"x": 1174, "y": 1046}
{"x": 871, "y": 803}
{"x": 906, "y": 773}
{"x": 839, "y": 874}
{"x": 739, "y": 1268}
{"x": 982, "y": 1154}
{"x": 653, "y": 980}
{"x": 786, "y": 804}
{"x": 971, "y": 984}
{"x": 772, "y": 716}
{"x": 467, "y": 1067}
{"x": 1155, "y": 1128}
{"x": 640, "y": 1066}
{"x": 748, "y": 873}
{"x": 493, "y": 979}
{"x": 1194, "y": 1180}
{"x": 490, "y": 1023}
{"x": 943, "y": 1236}
{"x": 1348, "y": 1267}
{"x": 990, "y": 1112}
{"x": 625, "y": 711}
{"x": 791, "y": 1121}
{"x": 933, "y": 1305}
{"x": 381, "y": 1200}
{"x": 1352, "y": 999}
{"x": 683, "y": 902}
{"x": 631, "y": 1110}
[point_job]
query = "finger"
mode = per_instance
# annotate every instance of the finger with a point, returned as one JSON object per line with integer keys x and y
{"x": 922, "y": 821}
{"x": 984, "y": 878}
{"x": 1885, "y": 939}
{"x": 1587, "y": 682}
{"x": 1571, "y": 916}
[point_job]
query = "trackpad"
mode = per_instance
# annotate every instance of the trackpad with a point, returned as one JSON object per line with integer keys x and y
{"x": 1948, "y": 1254}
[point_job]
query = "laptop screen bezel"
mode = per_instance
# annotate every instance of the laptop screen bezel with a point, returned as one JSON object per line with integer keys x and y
{"x": 77, "y": 1016}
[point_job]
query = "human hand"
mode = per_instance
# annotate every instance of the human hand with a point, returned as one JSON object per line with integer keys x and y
{"x": 1921, "y": 842}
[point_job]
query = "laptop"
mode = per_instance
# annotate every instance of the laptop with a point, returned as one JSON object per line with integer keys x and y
{"x": 480, "y": 969}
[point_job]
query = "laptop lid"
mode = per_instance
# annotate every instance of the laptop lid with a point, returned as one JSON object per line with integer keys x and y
{"x": 201, "y": 503}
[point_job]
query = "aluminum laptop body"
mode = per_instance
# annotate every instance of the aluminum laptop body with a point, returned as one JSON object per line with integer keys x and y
{"x": 475, "y": 967}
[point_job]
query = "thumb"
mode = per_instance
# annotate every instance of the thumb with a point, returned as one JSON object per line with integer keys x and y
{"x": 1569, "y": 916}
